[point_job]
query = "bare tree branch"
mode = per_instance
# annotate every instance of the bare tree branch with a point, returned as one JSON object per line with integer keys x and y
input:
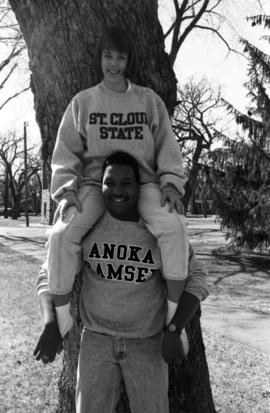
{"x": 14, "y": 53}
{"x": 220, "y": 36}
{"x": 211, "y": 10}
{"x": 8, "y": 75}
{"x": 176, "y": 30}
{"x": 13, "y": 97}
{"x": 179, "y": 38}
{"x": 169, "y": 31}
{"x": 188, "y": 14}
{"x": 11, "y": 38}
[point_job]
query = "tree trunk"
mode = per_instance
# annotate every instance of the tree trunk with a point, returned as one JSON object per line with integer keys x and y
{"x": 15, "y": 197}
{"x": 6, "y": 196}
{"x": 192, "y": 204}
{"x": 193, "y": 175}
{"x": 16, "y": 202}
{"x": 61, "y": 38}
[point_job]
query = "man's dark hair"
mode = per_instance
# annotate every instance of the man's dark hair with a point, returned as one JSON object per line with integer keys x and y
{"x": 118, "y": 39}
{"x": 122, "y": 158}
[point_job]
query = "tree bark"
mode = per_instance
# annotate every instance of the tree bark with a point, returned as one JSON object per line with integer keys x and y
{"x": 61, "y": 38}
{"x": 193, "y": 175}
{"x": 6, "y": 195}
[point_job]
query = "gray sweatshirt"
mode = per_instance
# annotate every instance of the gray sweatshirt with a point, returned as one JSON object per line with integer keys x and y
{"x": 99, "y": 121}
{"x": 123, "y": 292}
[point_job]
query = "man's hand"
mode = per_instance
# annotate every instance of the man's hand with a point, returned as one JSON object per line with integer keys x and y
{"x": 49, "y": 343}
{"x": 174, "y": 346}
{"x": 69, "y": 198}
{"x": 171, "y": 195}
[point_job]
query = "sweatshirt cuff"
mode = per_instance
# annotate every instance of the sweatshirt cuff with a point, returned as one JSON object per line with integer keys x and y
{"x": 175, "y": 180}
{"x": 69, "y": 186}
{"x": 42, "y": 288}
{"x": 200, "y": 293}
{"x": 175, "y": 289}
{"x": 61, "y": 300}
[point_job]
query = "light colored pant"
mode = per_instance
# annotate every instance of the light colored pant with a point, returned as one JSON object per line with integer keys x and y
{"x": 169, "y": 229}
{"x": 105, "y": 360}
{"x": 64, "y": 250}
{"x": 64, "y": 243}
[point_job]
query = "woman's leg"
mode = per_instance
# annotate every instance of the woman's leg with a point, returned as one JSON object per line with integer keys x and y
{"x": 64, "y": 250}
{"x": 98, "y": 375}
{"x": 169, "y": 229}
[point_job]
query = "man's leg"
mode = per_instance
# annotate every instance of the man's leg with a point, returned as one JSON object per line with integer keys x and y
{"x": 145, "y": 375}
{"x": 98, "y": 375}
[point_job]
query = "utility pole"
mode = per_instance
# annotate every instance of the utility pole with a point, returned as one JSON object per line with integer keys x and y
{"x": 25, "y": 174}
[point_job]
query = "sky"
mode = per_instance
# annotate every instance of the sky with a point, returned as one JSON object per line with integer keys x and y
{"x": 202, "y": 55}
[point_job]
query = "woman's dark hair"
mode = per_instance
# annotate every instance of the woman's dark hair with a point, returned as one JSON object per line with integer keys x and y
{"x": 122, "y": 158}
{"x": 118, "y": 39}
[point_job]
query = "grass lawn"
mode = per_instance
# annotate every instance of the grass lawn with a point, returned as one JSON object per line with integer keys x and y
{"x": 26, "y": 386}
{"x": 239, "y": 375}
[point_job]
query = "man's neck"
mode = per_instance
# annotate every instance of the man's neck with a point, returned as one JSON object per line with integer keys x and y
{"x": 132, "y": 217}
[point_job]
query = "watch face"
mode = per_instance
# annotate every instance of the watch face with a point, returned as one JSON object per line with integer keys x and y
{"x": 172, "y": 327}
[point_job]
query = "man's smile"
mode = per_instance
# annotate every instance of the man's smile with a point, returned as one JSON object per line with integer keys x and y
{"x": 118, "y": 199}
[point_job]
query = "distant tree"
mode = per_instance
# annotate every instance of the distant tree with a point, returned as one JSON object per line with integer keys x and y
{"x": 12, "y": 165}
{"x": 4, "y": 192}
{"x": 34, "y": 167}
{"x": 13, "y": 46}
{"x": 191, "y": 15}
{"x": 195, "y": 123}
{"x": 240, "y": 179}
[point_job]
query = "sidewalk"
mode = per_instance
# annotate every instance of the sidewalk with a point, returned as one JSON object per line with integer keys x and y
{"x": 224, "y": 316}
{"x": 27, "y": 240}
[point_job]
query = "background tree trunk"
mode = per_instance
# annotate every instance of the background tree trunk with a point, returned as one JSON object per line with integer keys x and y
{"x": 193, "y": 175}
{"x": 61, "y": 38}
{"x": 6, "y": 196}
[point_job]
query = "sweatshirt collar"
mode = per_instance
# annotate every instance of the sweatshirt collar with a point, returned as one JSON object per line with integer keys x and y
{"x": 113, "y": 91}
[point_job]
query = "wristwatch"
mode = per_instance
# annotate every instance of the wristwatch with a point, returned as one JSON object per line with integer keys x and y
{"x": 173, "y": 328}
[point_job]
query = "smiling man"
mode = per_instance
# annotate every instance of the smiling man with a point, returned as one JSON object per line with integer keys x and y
{"x": 120, "y": 187}
{"x": 123, "y": 304}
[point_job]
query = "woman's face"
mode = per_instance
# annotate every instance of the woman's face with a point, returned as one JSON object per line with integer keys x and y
{"x": 113, "y": 66}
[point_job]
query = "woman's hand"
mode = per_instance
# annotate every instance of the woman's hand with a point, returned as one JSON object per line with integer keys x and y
{"x": 171, "y": 195}
{"x": 69, "y": 198}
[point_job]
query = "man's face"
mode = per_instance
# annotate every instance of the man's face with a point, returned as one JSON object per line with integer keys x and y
{"x": 120, "y": 191}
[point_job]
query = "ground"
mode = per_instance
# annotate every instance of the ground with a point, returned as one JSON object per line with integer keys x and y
{"x": 235, "y": 322}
